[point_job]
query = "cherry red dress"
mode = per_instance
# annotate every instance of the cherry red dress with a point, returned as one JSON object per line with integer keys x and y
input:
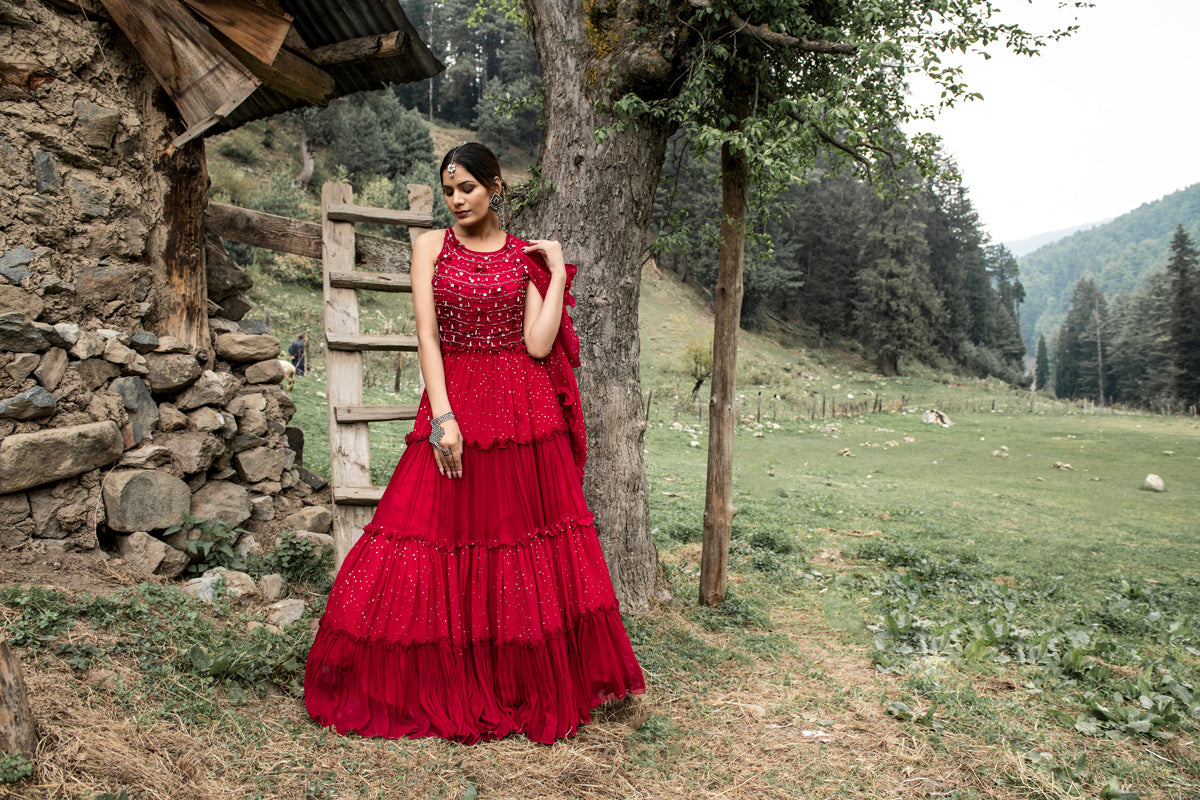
{"x": 477, "y": 607}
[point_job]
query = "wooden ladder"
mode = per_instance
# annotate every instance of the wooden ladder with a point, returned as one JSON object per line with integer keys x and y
{"x": 354, "y": 498}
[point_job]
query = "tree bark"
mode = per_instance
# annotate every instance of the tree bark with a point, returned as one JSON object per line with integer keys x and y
{"x": 17, "y": 734}
{"x": 596, "y": 198}
{"x": 718, "y": 495}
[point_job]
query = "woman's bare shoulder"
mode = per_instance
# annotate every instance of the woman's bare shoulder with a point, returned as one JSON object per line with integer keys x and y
{"x": 430, "y": 241}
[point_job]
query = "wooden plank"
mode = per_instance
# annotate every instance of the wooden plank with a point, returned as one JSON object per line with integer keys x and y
{"x": 380, "y": 216}
{"x": 288, "y": 74}
{"x": 273, "y": 232}
{"x": 197, "y": 72}
{"x": 286, "y": 235}
{"x": 349, "y": 447}
{"x": 257, "y": 30}
{"x": 358, "y": 342}
{"x": 371, "y": 281}
{"x": 357, "y": 496}
{"x": 374, "y": 413}
{"x": 383, "y": 45}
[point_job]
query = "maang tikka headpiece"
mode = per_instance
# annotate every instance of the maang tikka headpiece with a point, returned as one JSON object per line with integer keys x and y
{"x": 450, "y": 167}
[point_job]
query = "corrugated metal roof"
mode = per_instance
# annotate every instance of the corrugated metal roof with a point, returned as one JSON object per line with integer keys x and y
{"x": 322, "y": 22}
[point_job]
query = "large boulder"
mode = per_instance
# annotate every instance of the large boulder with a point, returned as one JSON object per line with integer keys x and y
{"x": 151, "y": 556}
{"x": 243, "y": 347}
{"x": 144, "y": 500}
{"x": 222, "y": 500}
{"x": 32, "y": 459}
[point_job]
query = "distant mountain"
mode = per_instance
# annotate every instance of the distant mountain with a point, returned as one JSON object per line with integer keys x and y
{"x": 1119, "y": 255}
{"x": 1022, "y": 247}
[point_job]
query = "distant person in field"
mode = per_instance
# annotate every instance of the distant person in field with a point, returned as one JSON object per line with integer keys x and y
{"x": 477, "y": 603}
{"x": 296, "y": 351}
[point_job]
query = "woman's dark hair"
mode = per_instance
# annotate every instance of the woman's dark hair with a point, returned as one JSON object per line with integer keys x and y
{"x": 478, "y": 160}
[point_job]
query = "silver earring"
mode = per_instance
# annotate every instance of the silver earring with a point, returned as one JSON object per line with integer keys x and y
{"x": 496, "y": 203}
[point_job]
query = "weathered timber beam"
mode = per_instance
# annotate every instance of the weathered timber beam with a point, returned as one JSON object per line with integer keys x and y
{"x": 357, "y": 495}
{"x": 374, "y": 413}
{"x": 344, "y": 212}
{"x": 288, "y": 74}
{"x": 285, "y": 235}
{"x": 371, "y": 281}
{"x": 381, "y": 45}
{"x": 379, "y": 342}
{"x": 273, "y": 232}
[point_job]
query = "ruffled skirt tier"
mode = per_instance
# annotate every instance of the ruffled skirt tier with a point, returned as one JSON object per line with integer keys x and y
{"x": 474, "y": 608}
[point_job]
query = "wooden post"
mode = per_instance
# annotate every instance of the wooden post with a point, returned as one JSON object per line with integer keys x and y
{"x": 758, "y": 413}
{"x": 349, "y": 446}
{"x": 186, "y": 173}
{"x": 17, "y": 734}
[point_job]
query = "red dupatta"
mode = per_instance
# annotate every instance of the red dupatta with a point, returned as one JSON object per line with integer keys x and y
{"x": 564, "y": 355}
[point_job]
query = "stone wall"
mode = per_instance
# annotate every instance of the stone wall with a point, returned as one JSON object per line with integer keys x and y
{"x": 108, "y": 428}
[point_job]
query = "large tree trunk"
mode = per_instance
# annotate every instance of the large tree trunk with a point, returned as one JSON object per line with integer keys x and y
{"x": 596, "y": 200}
{"x": 718, "y": 495}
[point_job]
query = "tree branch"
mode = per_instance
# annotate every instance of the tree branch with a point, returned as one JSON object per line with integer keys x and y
{"x": 826, "y": 136}
{"x": 802, "y": 43}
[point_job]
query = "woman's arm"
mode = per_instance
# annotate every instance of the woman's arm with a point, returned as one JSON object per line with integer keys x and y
{"x": 429, "y": 349}
{"x": 543, "y": 314}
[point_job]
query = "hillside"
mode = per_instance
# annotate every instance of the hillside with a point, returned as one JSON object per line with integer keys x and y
{"x": 1021, "y": 247}
{"x": 1119, "y": 255}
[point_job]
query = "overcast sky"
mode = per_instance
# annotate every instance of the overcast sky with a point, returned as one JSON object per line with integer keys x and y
{"x": 1095, "y": 126}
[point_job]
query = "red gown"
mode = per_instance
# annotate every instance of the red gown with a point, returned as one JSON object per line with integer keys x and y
{"x": 477, "y": 607}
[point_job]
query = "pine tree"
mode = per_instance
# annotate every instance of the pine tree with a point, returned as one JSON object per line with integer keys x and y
{"x": 1080, "y": 369}
{"x": 1041, "y": 379}
{"x": 898, "y": 307}
{"x": 1185, "y": 324}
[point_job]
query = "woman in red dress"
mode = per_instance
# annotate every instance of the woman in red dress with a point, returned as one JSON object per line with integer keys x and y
{"x": 477, "y": 602}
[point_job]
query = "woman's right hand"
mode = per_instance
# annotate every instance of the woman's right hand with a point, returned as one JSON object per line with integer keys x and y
{"x": 450, "y": 466}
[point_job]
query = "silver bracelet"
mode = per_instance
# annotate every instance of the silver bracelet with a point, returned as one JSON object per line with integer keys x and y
{"x": 436, "y": 432}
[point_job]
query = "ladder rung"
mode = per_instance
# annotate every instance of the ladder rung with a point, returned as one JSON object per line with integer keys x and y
{"x": 371, "y": 341}
{"x": 357, "y": 495}
{"x": 373, "y": 413}
{"x": 374, "y": 281}
{"x": 346, "y": 212}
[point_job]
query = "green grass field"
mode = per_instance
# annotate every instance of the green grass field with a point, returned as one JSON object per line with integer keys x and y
{"x": 913, "y": 611}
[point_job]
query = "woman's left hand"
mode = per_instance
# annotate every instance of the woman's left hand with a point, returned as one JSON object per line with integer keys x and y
{"x": 550, "y": 250}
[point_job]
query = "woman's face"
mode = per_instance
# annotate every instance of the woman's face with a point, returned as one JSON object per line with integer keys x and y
{"x": 466, "y": 197}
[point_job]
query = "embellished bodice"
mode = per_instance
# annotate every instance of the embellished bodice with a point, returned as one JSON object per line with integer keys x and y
{"x": 480, "y": 297}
